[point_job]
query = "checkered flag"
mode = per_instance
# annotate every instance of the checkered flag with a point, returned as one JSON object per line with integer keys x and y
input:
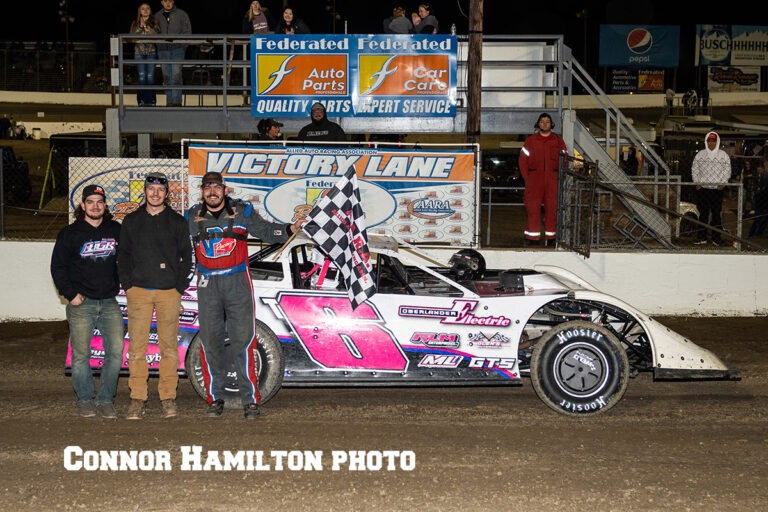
{"x": 337, "y": 225}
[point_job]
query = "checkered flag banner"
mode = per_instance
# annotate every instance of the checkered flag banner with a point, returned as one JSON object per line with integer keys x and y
{"x": 337, "y": 225}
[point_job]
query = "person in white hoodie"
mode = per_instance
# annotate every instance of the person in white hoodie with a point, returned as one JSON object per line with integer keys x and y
{"x": 710, "y": 171}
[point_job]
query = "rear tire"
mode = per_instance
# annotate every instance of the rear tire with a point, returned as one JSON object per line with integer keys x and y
{"x": 269, "y": 362}
{"x": 579, "y": 369}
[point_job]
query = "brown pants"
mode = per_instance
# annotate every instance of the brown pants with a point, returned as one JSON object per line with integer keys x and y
{"x": 166, "y": 304}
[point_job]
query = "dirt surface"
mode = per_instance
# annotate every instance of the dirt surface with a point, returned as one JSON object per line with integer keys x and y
{"x": 667, "y": 446}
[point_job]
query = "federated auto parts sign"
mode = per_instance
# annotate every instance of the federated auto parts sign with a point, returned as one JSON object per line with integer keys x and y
{"x": 354, "y": 75}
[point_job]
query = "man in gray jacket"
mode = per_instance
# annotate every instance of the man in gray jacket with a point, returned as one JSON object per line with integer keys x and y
{"x": 172, "y": 20}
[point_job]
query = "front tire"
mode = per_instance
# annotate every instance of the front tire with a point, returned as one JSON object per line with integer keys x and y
{"x": 268, "y": 359}
{"x": 579, "y": 369}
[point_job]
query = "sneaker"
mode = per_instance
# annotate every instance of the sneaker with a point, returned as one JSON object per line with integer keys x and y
{"x": 717, "y": 243}
{"x": 215, "y": 409}
{"x": 169, "y": 408}
{"x": 251, "y": 411}
{"x": 86, "y": 409}
{"x": 107, "y": 410}
{"x": 136, "y": 410}
{"x": 700, "y": 242}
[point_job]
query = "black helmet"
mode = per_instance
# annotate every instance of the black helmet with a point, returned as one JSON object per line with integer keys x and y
{"x": 467, "y": 265}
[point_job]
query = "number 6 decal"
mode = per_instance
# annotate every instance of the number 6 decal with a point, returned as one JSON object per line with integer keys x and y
{"x": 337, "y": 337}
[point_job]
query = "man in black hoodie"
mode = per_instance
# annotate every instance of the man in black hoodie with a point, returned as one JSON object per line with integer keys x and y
{"x": 155, "y": 266}
{"x": 321, "y": 128}
{"x": 84, "y": 270}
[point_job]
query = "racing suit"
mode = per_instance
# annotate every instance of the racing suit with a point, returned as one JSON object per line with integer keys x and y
{"x": 539, "y": 161}
{"x": 226, "y": 305}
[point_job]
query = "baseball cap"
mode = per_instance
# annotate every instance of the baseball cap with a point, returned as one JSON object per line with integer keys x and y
{"x": 212, "y": 177}
{"x": 319, "y": 105}
{"x": 91, "y": 190}
{"x": 156, "y": 178}
{"x": 712, "y": 136}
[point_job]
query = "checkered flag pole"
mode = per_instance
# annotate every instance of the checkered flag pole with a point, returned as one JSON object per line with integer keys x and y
{"x": 337, "y": 225}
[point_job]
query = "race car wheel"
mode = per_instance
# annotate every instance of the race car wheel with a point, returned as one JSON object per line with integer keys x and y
{"x": 579, "y": 369}
{"x": 269, "y": 362}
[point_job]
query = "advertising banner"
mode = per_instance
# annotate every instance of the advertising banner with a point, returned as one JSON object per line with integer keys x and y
{"x": 415, "y": 195}
{"x": 353, "y": 75}
{"x": 731, "y": 45}
{"x": 639, "y": 46}
{"x": 733, "y": 79}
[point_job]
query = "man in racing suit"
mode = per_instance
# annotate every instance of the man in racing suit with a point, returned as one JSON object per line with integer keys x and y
{"x": 539, "y": 161}
{"x": 220, "y": 227}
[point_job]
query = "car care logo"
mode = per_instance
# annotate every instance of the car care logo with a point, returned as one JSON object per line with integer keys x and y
{"x": 404, "y": 75}
{"x": 715, "y": 45}
{"x": 440, "y": 361}
{"x": 639, "y": 41}
{"x": 481, "y": 339}
{"x": 305, "y": 74}
{"x": 427, "y": 208}
{"x": 432, "y": 339}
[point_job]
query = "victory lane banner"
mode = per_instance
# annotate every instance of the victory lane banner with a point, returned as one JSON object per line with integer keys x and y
{"x": 355, "y": 75}
{"x": 415, "y": 195}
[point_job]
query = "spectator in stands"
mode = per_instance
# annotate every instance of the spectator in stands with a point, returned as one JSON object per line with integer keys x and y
{"x": 172, "y": 20}
{"x": 321, "y": 128}
{"x": 747, "y": 176}
{"x": 416, "y": 20}
{"x": 710, "y": 171}
{"x": 539, "y": 163}
{"x": 5, "y": 127}
{"x": 258, "y": 20}
{"x": 291, "y": 24}
{"x": 428, "y": 24}
{"x": 670, "y": 96}
{"x": 400, "y": 24}
{"x": 269, "y": 129}
{"x": 761, "y": 202}
{"x": 145, "y": 24}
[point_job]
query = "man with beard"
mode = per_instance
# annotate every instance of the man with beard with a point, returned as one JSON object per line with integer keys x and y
{"x": 220, "y": 227}
{"x": 321, "y": 128}
{"x": 155, "y": 265}
{"x": 84, "y": 270}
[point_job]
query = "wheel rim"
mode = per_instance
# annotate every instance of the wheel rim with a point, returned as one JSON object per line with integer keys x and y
{"x": 581, "y": 370}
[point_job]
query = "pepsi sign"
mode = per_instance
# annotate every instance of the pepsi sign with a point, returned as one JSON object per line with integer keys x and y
{"x": 639, "y": 46}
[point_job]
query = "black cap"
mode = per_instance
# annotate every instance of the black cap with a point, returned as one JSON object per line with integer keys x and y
{"x": 212, "y": 177}
{"x": 91, "y": 190}
{"x": 265, "y": 124}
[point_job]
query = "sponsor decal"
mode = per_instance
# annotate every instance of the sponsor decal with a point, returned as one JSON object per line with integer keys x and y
{"x": 459, "y": 314}
{"x": 480, "y": 339}
{"x": 492, "y": 363}
{"x": 440, "y": 361}
{"x": 432, "y": 339}
{"x": 426, "y": 208}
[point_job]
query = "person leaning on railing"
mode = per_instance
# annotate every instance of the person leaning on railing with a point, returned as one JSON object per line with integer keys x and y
{"x": 172, "y": 20}
{"x": 145, "y": 24}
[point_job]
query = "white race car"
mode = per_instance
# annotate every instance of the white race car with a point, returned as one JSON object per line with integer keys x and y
{"x": 458, "y": 324}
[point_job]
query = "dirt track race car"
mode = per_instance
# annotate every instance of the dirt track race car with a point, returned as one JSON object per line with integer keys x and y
{"x": 438, "y": 325}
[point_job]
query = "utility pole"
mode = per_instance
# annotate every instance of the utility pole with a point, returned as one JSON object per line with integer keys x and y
{"x": 474, "y": 71}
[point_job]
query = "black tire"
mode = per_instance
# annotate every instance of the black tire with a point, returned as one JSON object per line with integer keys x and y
{"x": 269, "y": 360}
{"x": 579, "y": 369}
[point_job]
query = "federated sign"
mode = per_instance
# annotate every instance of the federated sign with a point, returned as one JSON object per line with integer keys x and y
{"x": 416, "y": 196}
{"x": 353, "y": 75}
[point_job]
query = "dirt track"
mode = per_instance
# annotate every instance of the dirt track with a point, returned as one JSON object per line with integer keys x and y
{"x": 667, "y": 446}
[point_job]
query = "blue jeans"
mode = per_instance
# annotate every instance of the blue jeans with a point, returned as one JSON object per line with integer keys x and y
{"x": 172, "y": 74}
{"x": 104, "y": 315}
{"x": 146, "y": 76}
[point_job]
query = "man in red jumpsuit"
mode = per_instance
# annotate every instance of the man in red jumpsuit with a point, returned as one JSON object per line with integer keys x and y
{"x": 539, "y": 161}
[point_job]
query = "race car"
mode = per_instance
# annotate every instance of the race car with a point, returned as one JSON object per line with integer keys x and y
{"x": 432, "y": 324}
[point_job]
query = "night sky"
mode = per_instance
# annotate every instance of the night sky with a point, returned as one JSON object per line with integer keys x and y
{"x": 96, "y": 20}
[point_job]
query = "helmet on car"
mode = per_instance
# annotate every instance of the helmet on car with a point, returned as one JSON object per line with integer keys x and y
{"x": 467, "y": 265}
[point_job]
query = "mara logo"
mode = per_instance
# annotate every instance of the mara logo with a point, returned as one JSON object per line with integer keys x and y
{"x": 639, "y": 40}
{"x": 426, "y": 208}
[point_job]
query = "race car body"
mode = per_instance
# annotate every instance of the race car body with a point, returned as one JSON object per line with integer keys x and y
{"x": 444, "y": 325}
